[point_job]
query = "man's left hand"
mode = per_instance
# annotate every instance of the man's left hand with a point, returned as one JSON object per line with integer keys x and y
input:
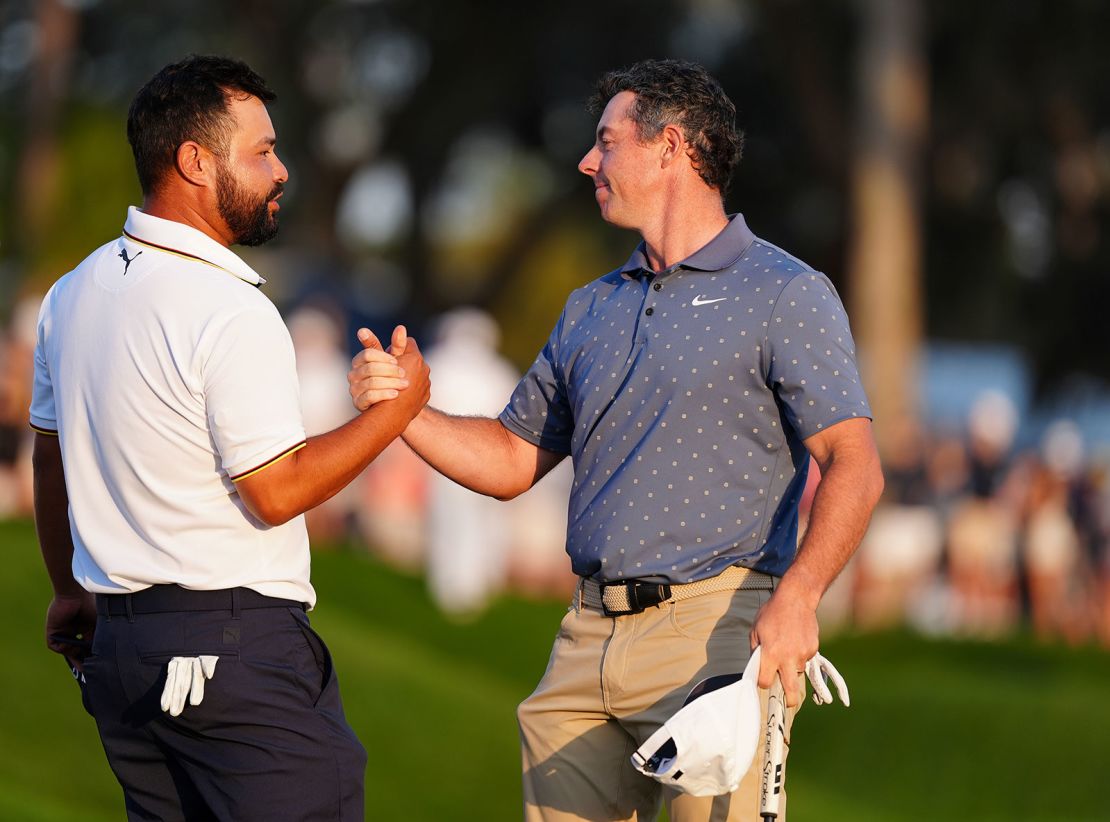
{"x": 786, "y": 629}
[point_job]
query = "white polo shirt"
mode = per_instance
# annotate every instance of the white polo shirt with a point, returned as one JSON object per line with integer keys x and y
{"x": 168, "y": 375}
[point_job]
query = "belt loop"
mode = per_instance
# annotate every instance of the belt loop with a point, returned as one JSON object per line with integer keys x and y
{"x": 234, "y": 603}
{"x": 127, "y": 605}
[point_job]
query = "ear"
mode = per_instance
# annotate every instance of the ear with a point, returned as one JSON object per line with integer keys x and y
{"x": 195, "y": 163}
{"x": 673, "y": 144}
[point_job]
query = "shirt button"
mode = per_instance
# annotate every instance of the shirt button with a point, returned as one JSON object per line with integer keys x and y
{"x": 658, "y": 286}
{"x": 650, "y": 311}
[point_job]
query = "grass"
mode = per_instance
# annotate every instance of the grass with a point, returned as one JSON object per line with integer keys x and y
{"x": 937, "y": 729}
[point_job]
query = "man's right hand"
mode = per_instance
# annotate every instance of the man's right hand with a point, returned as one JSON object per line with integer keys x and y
{"x": 70, "y": 622}
{"x": 373, "y": 379}
{"x": 376, "y": 370}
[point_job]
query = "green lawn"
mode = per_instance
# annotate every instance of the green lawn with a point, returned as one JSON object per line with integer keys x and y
{"x": 937, "y": 730}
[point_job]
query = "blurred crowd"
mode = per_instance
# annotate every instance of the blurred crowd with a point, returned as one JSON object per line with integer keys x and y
{"x": 974, "y": 536}
{"x": 977, "y": 537}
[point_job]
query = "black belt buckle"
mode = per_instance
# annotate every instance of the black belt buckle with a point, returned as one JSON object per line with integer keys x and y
{"x": 641, "y": 595}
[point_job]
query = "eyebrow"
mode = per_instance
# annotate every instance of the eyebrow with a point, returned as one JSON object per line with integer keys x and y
{"x": 602, "y": 131}
{"x": 267, "y": 141}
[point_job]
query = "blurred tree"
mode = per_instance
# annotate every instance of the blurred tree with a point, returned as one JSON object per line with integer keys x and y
{"x": 38, "y": 188}
{"x": 885, "y": 263}
{"x": 468, "y": 115}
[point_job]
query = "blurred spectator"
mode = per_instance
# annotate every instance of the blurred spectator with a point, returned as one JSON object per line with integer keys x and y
{"x": 476, "y": 545}
{"x": 1052, "y": 556}
{"x": 900, "y": 554}
{"x": 537, "y": 554}
{"x": 468, "y": 534}
{"x": 17, "y": 346}
{"x": 392, "y": 502}
{"x": 1059, "y": 589}
{"x": 322, "y": 363}
{"x": 982, "y": 533}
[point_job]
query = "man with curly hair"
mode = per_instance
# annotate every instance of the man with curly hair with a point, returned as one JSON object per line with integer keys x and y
{"x": 690, "y": 386}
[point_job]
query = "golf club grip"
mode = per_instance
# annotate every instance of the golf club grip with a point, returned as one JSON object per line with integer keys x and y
{"x": 770, "y": 786}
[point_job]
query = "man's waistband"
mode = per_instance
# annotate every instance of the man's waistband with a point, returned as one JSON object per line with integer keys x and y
{"x": 633, "y": 596}
{"x": 163, "y": 599}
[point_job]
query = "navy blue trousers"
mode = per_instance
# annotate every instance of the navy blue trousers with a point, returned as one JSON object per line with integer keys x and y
{"x": 269, "y": 741}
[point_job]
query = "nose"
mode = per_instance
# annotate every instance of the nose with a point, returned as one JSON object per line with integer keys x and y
{"x": 281, "y": 173}
{"x": 588, "y": 164}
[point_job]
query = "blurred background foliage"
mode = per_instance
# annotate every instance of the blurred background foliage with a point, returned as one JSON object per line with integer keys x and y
{"x": 432, "y": 146}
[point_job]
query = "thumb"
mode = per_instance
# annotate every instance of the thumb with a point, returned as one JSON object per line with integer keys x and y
{"x": 369, "y": 339}
{"x": 400, "y": 341}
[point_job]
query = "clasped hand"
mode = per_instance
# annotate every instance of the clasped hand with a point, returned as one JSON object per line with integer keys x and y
{"x": 377, "y": 374}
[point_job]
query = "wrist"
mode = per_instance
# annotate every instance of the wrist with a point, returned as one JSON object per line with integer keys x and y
{"x": 800, "y": 586}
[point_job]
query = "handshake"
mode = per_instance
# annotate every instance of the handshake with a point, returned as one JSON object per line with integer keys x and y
{"x": 377, "y": 374}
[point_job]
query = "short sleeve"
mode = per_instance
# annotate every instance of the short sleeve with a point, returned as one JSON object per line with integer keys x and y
{"x": 538, "y": 410}
{"x": 812, "y": 357}
{"x": 252, "y": 394}
{"x": 43, "y": 416}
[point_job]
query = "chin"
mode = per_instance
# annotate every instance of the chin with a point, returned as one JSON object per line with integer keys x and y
{"x": 614, "y": 217}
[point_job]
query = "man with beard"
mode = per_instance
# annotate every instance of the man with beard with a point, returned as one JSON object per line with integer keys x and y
{"x": 172, "y": 473}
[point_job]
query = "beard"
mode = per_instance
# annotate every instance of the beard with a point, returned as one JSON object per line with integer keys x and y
{"x": 247, "y": 215}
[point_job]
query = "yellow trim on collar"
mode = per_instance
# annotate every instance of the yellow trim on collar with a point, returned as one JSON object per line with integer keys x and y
{"x": 187, "y": 256}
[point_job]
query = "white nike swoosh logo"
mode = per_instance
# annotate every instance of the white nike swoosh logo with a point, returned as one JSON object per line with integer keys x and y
{"x": 700, "y": 300}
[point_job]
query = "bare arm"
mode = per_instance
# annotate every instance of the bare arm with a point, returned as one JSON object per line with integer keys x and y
{"x": 72, "y": 613}
{"x": 476, "y": 452}
{"x": 851, "y": 482}
{"x": 328, "y": 462}
{"x": 479, "y": 453}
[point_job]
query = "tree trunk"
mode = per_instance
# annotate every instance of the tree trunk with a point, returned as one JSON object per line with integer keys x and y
{"x": 885, "y": 258}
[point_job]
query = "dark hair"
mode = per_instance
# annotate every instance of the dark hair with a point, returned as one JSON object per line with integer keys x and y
{"x": 187, "y": 101}
{"x": 682, "y": 93}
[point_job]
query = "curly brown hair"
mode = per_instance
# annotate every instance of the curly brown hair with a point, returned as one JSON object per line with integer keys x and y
{"x": 684, "y": 94}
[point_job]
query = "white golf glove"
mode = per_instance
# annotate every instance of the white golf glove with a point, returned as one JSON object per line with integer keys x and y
{"x": 185, "y": 677}
{"x": 819, "y": 671}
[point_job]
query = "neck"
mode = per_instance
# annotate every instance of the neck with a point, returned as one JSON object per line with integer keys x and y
{"x": 680, "y": 229}
{"x": 184, "y": 210}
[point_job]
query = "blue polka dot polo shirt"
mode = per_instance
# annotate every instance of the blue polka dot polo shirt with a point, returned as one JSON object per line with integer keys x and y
{"x": 683, "y": 398}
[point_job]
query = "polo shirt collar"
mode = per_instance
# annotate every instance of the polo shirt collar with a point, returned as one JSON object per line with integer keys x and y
{"x": 720, "y": 252}
{"x": 185, "y": 241}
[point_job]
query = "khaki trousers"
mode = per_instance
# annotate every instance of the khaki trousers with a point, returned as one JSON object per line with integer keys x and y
{"x": 610, "y": 683}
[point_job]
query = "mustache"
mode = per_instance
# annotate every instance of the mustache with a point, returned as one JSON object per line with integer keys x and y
{"x": 275, "y": 191}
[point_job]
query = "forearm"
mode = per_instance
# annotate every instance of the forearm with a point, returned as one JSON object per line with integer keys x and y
{"x": 52, "y": 516}
{"x": 478, "y": 453}
{"x": 322, "y": 468}
{"x": 849, "y": 489}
